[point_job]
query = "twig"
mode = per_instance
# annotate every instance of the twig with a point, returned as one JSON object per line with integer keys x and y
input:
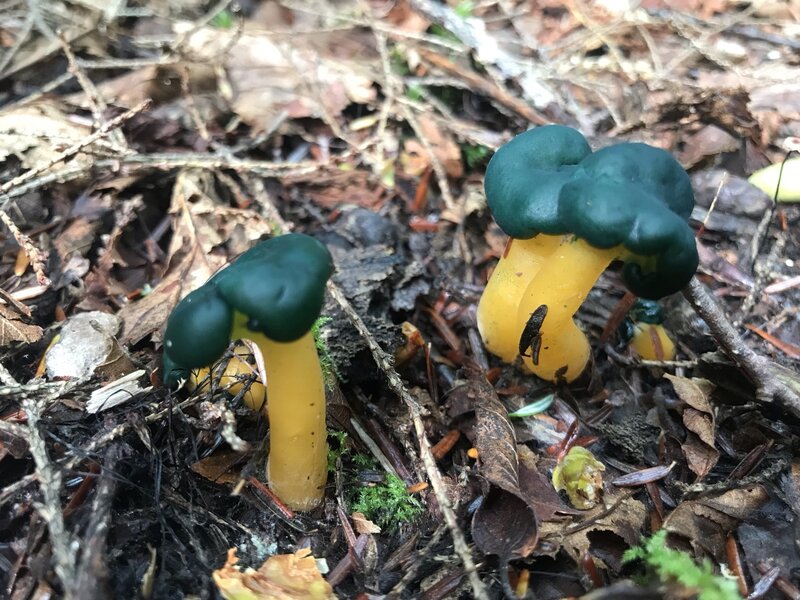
{"x": 50, "y": 483}
{"x": 75, "y": 148}
{"x": 384, "y": 362}
{"x": 90, "y": 583}
{"x": 96, "y": 103}
{"x": 36, "y": 257}
{"x": 769, "y": 387}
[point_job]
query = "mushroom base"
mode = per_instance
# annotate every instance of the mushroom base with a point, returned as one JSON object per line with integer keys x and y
{"x": 559, "y": 349}
{"x": 499, "y": 302}
{"x": 297, "y": 467}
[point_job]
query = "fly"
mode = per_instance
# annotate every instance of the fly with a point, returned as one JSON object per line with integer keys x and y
{"x": 531, "y": 336}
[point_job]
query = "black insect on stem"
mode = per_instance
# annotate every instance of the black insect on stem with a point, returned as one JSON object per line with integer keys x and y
{"x": 531, "y": 336}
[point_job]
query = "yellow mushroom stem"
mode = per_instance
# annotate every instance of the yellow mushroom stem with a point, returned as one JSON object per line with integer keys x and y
{"x": 499, "y": 302}
{"x": 651, "y": 342}
{"x": 297, "y": 468}
{"x": 562, "y": 284}
{"x": 233, "y": 379}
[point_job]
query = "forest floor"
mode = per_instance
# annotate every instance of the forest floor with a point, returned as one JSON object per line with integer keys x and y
{"x": 145, "y": 144}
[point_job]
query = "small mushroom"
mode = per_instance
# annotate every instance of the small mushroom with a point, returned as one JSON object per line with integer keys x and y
{"x": 645, "y": 331}
{"x": 570, "y": 213}
{"x": 271, "y": 295}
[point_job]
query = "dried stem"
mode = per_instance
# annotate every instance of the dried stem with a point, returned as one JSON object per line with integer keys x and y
{"x": 50, "y": 480}
{"x": 384, "y": 362}
{"x": 75, "y": 148}
{"x": 769, "y": 388}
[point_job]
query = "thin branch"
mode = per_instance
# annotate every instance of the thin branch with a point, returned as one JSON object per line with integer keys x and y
{"x": 384, "y": 362}
{"x": 75, "y": 148}
{"x": 769, "y": 388}
{"x": 50, "y": 480}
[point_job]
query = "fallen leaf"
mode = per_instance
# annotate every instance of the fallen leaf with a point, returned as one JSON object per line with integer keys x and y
{"x": 363, "y": 525}
{"x": 300, "y": 75}
{"x": 505, "y": 523}
{"x": 444, "y": 148}
{"x": 14, "y": 329}
{"x": 698, "y": 417}
{"x": 707, "y": 522}
{"x": 281, "y": 577}
{"x": 221, "y": 467}
{"x": 36, "y": 133}
{"x": 621, "y": 515}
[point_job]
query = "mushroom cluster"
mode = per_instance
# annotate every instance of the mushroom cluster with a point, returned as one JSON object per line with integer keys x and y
{"x": 570, "y": 212}
{"x": 271, "y": 295}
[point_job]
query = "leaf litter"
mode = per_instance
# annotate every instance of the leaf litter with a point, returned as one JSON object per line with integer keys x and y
{"x": 369, "y": 126}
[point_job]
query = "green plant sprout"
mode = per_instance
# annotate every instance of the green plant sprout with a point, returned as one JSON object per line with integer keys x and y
{"x": 475, "y": 154}
{"x": 464, "y": 8}
{"x": 222, "y": 20}
{"x": 330, "y": 372}
{"x": 337, "y": 448}
{"x": 673, "y": 566}
{"x": 387, "y": 504}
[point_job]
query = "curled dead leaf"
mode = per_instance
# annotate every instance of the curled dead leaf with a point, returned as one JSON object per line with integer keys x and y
{"x": 281, "y": 577}
{"x": 698, "y": 417}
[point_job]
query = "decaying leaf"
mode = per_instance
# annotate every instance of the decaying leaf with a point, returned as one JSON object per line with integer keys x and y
{"x": 363, "y": 525}
{"x": 415, "y": 157}
{"x": 281, "y": 577}
{"x": 505, "y": 524}
{"x": 269, "y": 74}
{"x": 706, "y": 522}
{"x": 621, "y": 515}
{"x": 698, "y": 417}
{"x": 35, "y": 134}
{"x": 220, "y": 467}
{"x": 14, "y": 329}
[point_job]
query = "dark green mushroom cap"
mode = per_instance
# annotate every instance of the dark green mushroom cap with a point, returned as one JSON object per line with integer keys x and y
{"x": 646, "y": 311}
{"x": 279, "y": 285}
{"x": 547, "y": 180}
{"x": 643, "y": 311}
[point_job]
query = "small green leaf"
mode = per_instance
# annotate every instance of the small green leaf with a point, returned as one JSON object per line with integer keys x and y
{"x": 534, "y": 408}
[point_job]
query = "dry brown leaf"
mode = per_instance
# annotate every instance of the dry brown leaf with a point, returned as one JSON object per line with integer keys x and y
{"x": 281, "y": 577}
{"x": 416, "y": 159}
{"x": 302, "y": 75}
{"x": 14, "y": 329}
{"x": 625, "y": 519}
{"x": 505, "y": 523}
{"x": 363, "y": 525}
{"x": 698, "y": 417}
{"x": 37, "y": 133}
{"x": 220, "y": 467}
{"x": 707, "y": 522}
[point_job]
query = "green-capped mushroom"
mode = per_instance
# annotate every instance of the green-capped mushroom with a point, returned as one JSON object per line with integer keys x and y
{"x": 271, "y": 295}
{"x": 570, "y": 212}
{"x": 644, "y": 330}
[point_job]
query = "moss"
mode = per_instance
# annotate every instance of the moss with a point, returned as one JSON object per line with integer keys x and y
{"x": 676, "y": 567}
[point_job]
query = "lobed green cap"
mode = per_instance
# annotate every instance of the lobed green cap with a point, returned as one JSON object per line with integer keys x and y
{"x": 279, "y": 285}
{"x": 547, "y": 180}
